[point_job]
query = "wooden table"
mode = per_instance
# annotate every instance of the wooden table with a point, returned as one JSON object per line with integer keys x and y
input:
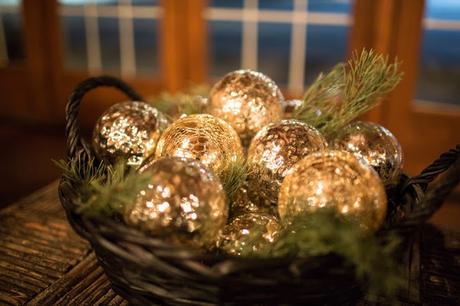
{"x": 43, "y": 262}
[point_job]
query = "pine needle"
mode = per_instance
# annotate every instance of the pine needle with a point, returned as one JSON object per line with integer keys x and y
{"x": 233, "y": 177}
{"x": 111, "y": 196}
{"x": 103, "y": 189}
{"x": 190, "y": 101}
{"x": 349, "y": 90}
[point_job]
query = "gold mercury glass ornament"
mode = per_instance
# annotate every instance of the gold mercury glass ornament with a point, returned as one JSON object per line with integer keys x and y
{"x": 247, "y": 100}
{"x": 183, "y": 202}
{"x": 335, "y": 180}
{"x": 240, "y": 203}
{"x": 375, "y": 144}
{"x": 232, "y": 238}
{"x": 128, "y": 130}
{"x": 202, "y": 137}
{"x": 273, "y": 152}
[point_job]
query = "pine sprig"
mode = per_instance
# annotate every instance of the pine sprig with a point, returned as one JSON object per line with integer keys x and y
{"x": 322, "y": 233}
{"x": 103, "y": 189}
{"x": 82, "y": 173}
{"x": 190, "y": 101}
{"x": 347, "y": 91}
{"x": 234, "y": 176}
{"x": 119, "y": 189}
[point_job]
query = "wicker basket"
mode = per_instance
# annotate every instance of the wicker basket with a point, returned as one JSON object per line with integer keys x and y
{"x": 146, "y": 270}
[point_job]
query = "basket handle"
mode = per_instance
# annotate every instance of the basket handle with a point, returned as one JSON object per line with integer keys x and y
{"x": 434, "y": 192}
{"x": 76, "y": 145}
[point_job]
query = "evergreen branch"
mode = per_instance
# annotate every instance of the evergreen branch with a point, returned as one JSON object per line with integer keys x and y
{"x": 82, "y": 173}
{"x": 323, "y": 233}
{"x": 110, "y": 196}
{"x": 190, "y": 101}
{"x": 349, "y": 90}
{"x": 234, "y": 176}
{"x": 103, "y": 189}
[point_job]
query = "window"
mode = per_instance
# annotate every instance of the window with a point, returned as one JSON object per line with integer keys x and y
{"x": 289, "y": 40}
{"x": 118, "y": 37}
{"x": 11, "y": 44}
{"x": 439, "y": 70}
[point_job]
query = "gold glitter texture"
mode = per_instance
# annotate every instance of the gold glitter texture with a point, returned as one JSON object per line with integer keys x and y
{"x": 182, "y": 202}
{"x": 375, "y": 144}
{"x": 273, "y": 152}
{"x": 334, "y": 180}
{"x": 232, "y": 239}
{"x": 128, "y": 130}
{"x": 202, "y": 137}
{"x": 247, "y": 100}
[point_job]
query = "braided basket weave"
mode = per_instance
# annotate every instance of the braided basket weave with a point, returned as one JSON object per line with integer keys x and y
{"x": 146, "y": 270}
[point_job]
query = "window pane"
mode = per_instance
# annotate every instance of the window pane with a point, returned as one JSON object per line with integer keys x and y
{"x": 11, "y": 39}
{"x": 330, "y": 6}
{"x": 146, "y": 45}
{"x": 274, "y": 50}
{"x": 226, "y": 3}
{"x": 326, "y": 46}
{"x": 439, "y": 70}
{"x": 320, "y": 38}
{"x": 225, "y": 46}
{"x": 145, "y": 2}
{"x": 110, "y": 44}
{"x": 276, "y": 4}
{"x": 75, "y": 56}
{"x": 98, "y": 34}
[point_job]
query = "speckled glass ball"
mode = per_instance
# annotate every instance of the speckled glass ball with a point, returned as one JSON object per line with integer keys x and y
{"x": 128, "y": 130}
{"x": 273, "y": 152}
{"x": 183, "y": 202}
{"x": 241, "y": 204}
{"x": 335, "y": 180}
{"x": 375, "y": 144}
{"x": 202, "y": 137}
{"x": 232, "y": 240}
{"x": 247, "y": 100}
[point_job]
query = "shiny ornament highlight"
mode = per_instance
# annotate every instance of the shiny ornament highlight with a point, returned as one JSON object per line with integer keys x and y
{"x": 274, "y": 151}
{"x": 233, "y": 237}
{"x": 128, "y": 130}
{"x": 183, "y": 202}
{"x": 375, "y": 144}
{"x": 247, "y": 100}
{"x": 202, "y": 137}
{"x": 335, "y": 180}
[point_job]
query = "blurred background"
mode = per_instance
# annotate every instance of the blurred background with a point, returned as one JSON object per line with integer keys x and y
{"x": 48, "y": 46}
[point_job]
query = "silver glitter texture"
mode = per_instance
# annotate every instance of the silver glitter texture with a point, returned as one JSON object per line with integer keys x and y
{"x": 335, "y": 180}
{"x": 232, "y": 238}
{"x": 183, "y": 202}
{"x": 247, "y": 100}
{"x": 375, "y": 144}
{"x": 273, "y": 152}
{"x": 128, "y": 130}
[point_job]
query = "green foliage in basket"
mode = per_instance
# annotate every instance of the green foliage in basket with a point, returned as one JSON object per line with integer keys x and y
{"x": 323, "y": 233}
{"x": 234, "y": 177}
{"x": 103, "y": 189}
{"x": 106, "y": 189}
{"x": 349, "y": 90}
{"x": 189, "y": 101}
